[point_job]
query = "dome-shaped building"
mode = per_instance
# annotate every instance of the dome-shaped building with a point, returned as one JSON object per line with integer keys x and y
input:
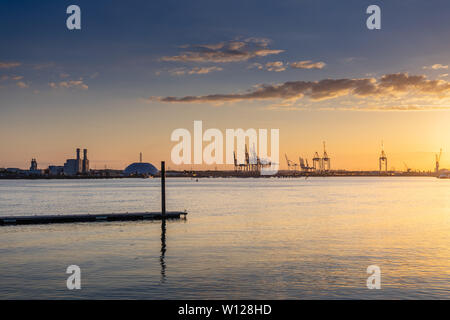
{"x": 140, "y": 168}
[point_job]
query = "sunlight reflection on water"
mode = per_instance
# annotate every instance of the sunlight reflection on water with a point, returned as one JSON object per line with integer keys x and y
{"x": 243, "y": 238}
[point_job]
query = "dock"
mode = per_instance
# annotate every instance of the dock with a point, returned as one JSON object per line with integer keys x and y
{"x": 97, "y": 217}
{"x": 73, "y": 218}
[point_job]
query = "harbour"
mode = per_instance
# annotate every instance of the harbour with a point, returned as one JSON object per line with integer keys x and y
{"x": 288, "y": 238}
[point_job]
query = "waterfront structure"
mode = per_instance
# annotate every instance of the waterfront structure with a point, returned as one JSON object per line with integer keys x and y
{"x": 322, "y": 164}
{"x": 290, "y": 163}
{"x": 85, "y": 165}
{"x": 71, "y": 167}
{"x": 33, "y": 165}
{"x": 76, "y": 166}
{"x": 140, "y": 169}
{"x": 317, "y": 162}
{"x": 326, "y": 161}
{"x": 383, "y": 162}
{"x": 253, "y": 164}
{"x": 438, "y": 161}
{"x": 304, "y": 165}
{"x": 55, "y": 170}
{"x": 34, "y": 171}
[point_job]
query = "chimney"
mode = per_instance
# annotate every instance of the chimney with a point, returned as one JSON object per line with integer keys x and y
{"x": 78, "y": 154}
{"x": 85, "y": 162}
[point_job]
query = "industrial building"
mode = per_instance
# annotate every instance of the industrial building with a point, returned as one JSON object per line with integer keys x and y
{"x": 33, "y": 165}
{"x": 140, "y": 169}
{"x": 55, "y": 170}
{"x": 76, "y": 166}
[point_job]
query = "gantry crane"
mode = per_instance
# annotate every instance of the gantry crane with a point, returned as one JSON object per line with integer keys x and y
{"x": 326, "y": 162}
{"x": 408, "y": 169}
{"x": 383, "y": 159}
{"x": 290, "y": 163}
{"x": 438, "y": 160}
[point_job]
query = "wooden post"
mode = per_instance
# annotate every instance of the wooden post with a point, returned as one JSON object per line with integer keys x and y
{"x": 163, "y": 189}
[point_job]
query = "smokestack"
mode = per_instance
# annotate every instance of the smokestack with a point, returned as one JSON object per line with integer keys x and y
{"x": 78, "y": 154}
{"x": 140, "y": 157}
{"x": 85, "y": 154}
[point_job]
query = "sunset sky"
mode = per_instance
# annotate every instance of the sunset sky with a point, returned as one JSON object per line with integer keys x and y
{"x": 137, "y": 70}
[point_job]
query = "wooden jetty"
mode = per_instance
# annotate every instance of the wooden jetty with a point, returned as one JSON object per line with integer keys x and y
{"x": 20, "y": 220}
{"x": 71, "y": 218}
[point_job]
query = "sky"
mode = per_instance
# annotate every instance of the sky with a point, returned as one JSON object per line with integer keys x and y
{"x": 138, "y": 70}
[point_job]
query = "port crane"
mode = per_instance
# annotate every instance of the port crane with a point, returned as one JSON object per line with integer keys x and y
{"x": 290, "y": 163}
{"x": 408, "y": 169}
{"x": 304, "y": 166}
{"x": 252, "y": 162}
{"x": 438, "y": 160}
{"x": 326, "y": 162}
{"x": 317, "y": 162}
{"x": 383, "y": 161}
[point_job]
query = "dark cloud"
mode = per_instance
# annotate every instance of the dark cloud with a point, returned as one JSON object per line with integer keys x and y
{"x": 389, "y": 84}
{"x": 230, "y": 51}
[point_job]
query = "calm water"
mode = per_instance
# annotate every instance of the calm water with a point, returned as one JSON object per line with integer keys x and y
{"x": 243, "y": 238}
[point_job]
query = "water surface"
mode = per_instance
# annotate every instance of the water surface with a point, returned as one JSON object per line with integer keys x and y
{"x": 243, "y": 239}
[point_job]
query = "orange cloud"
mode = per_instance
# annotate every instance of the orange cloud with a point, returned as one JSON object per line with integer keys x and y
{"x": 196, "y": 70}
{"x": 436, "y": 66}
{"x": 308, "y": 64}
{"x": 388, "y": 85}
{"x": 69, "y": 84}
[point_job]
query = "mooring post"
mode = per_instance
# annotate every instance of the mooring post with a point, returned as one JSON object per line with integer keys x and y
{"x": 163, "y": 189}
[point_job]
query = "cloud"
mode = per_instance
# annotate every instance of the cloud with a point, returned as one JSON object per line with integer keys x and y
{"x": 436, "y": 66}
{"x": 279, "y": 66}
{"x": 276, "y": 66}
{"x": 407, "y": 107}
{"x": 12, "y": 77}
{"x": 307, "y": 64}
{"x": 230, "y": 51}
{"x": 196, "y": 70}
{"x": 204, "y": 70}
{"x": 256, "y": 65}
{"x": 388, "y": 86}
{"x": 79, "y": 84}
{"x": 43, "y": 66}
{"x": 22, "y": 84}
{"x": 8, "y": 65}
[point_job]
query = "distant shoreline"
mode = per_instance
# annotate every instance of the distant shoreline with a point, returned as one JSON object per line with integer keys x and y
{"x": 231, "y": 174}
